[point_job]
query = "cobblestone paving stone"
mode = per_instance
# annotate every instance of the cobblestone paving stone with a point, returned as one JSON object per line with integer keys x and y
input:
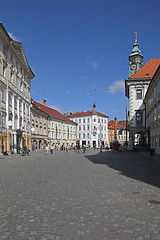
{"x": 76, "y": 196}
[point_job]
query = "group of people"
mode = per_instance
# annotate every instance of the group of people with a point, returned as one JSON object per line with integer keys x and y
{"x": 49, "y": 148}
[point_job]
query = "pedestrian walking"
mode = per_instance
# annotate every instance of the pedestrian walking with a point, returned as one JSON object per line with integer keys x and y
{"x": 51, "y": 149}
{"x": 47, "y": 149}
{"x": 67, "y": 148}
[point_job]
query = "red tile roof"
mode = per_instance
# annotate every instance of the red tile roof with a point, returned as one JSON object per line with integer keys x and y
{"x": 148, "y": 70}
{"x": 120, "y": 124}
{"x": 51, "y": 112}
{"x": 78, "y": 114}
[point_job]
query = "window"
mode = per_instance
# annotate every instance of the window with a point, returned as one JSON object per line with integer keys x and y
{"x": 52, "y": 126}
{"x": 21, "y": 86}
{"x": 3, "y": 95}
{"x": 83, "y": 135}
{"x": 88, "y": 120}
{"x": 94, "y": 120}
{"x": 88, "y": 135}
{"x": 24, "y": 90}
{"x": 139, "y": 117}
{"x": 84, "y": 120}
{"x": 10, "y": 117}
{"x": 59, "y": 126}
{"x": 11, "y": 77}
{"x": 155, "y": 92}
{"x": 10, "y": 99}
{"x": 15, "y": 102}
{"x": 156, "y": 140}
{"x": 4, "y": 51}
{"x": 20, "y": 106}
{"x": 98, "y": 120}
{"x": 17, "y": 81}
{"x": 20, "y": 122}
{"x": 4, "y": 70}
{"x": 56, "y": 129}
{"x": 17, "y": 65}
{"x": 67, "y": 132}
{"x": 139, "y": 93}
{"x": 11, "y": 58}
{"x": 155, "y": 114}
{"x": 79, "y": 120}
{"x": 79, "y": 128}
{"x": 87, "y": 127}
{"x": 102, "y": 120}
{"x": 133, "y": 60}
{"x": 24, "y": 109}
{"x": 84, "y": 128}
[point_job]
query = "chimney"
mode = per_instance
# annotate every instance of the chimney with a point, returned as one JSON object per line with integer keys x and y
{"x": 44, "y": 102}
{"x": 115, "y": 128}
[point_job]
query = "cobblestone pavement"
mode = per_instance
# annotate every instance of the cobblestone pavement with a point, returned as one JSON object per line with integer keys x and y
{"x": 77, "y": 196}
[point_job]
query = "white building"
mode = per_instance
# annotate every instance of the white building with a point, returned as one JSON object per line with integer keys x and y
{"x": 135, "y": 89}
{"x": 92, "y": 129}
{"x": 15, "y": 94}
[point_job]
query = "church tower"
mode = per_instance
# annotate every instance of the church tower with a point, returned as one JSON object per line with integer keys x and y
{"x": 135, "y": 59}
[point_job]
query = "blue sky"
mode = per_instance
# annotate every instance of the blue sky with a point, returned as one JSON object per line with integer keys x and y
{"x": 91, "y": 55}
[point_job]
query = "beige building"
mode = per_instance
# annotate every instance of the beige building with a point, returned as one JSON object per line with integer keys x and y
{"x": 39, "y": 127}
{"x": 61, "y": 130}
{"x": 15, "y": 94}
{"x": 152, "y": 101}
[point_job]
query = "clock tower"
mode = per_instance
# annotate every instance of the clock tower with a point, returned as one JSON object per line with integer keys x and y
{"x": 135, "y": 59}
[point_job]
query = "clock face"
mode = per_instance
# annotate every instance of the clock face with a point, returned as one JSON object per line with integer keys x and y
{"x": 134, "y": 66}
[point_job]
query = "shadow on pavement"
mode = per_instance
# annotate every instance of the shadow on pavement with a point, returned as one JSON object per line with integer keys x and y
{"x": 130, "y": 164}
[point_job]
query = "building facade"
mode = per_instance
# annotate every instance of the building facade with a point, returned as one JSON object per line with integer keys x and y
{"x": 60, "y": 130}
{"x": 117, "y": 131}
{"x": 135, "y": 89}
{"x": 152, "y": 101}
{"x": 39, "y": 128}
{"x": 92, "y": 129}
{"x": 15, "y": 94}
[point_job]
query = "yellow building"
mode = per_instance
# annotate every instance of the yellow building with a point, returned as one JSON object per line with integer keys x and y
{"x": 39, "y": 127}
{"x": 61, "y": 130}
{"x": 15, "y": 94}
{"x": 152, "y": 101}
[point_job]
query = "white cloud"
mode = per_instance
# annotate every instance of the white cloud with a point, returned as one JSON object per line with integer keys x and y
{"x": 91, "y": 63}
{"x": 117, "y": 86}
{"x": 13, "y": 37}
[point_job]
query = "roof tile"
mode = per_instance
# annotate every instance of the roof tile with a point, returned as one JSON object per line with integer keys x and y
{"x": 51, "y": 112}
{"x": 148, "y": 70}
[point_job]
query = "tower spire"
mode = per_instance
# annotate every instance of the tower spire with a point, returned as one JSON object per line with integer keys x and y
{"x": 135, "y": 59}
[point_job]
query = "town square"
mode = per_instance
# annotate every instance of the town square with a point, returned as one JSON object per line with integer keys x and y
{"x": 70, "y": 195}
{"x": 79, "y": 120}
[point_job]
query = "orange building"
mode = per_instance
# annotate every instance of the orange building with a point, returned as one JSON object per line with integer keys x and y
{"x": 117, "y": 130}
